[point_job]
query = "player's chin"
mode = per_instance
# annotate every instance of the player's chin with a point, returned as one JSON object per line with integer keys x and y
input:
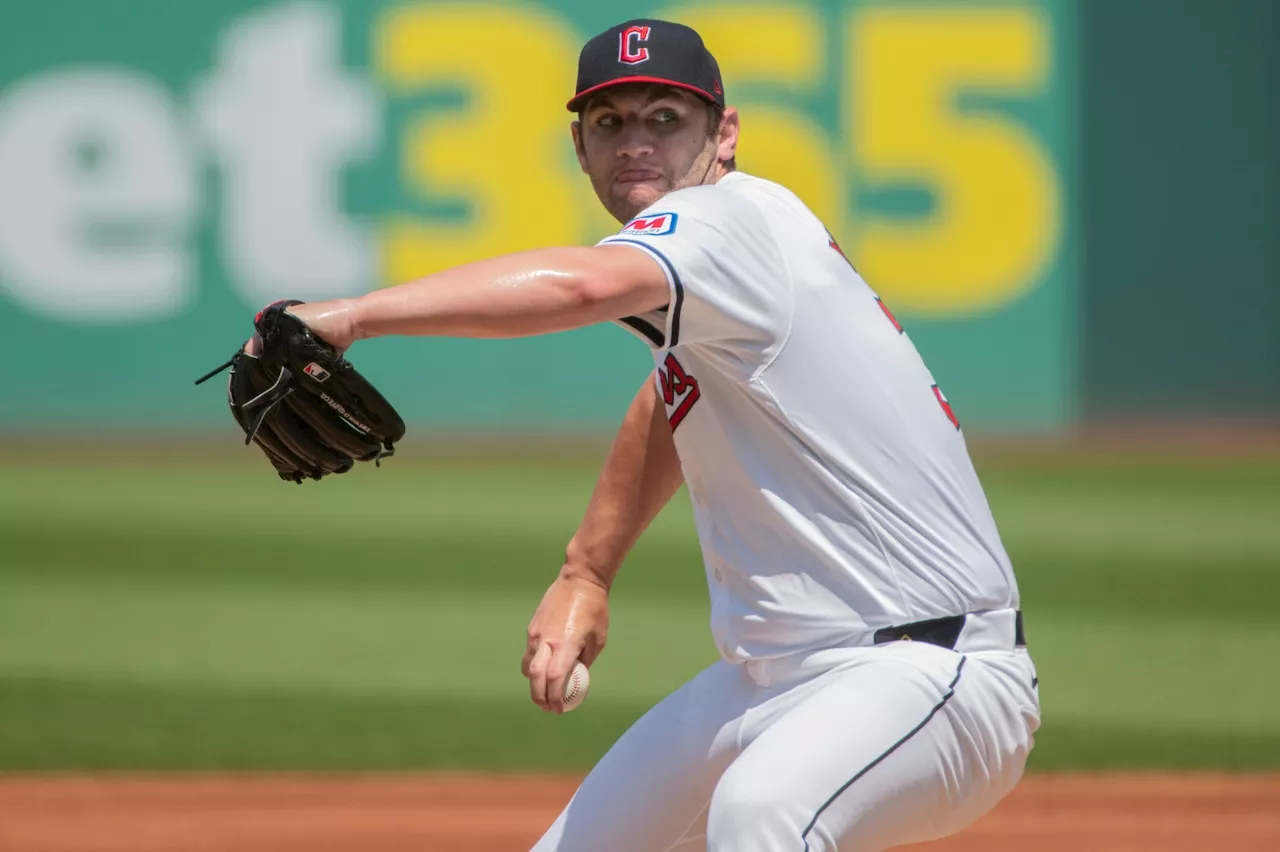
{"x": 638, "y": 195}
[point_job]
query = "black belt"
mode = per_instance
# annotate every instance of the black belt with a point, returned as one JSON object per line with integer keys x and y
{"x": 940, "y": 631}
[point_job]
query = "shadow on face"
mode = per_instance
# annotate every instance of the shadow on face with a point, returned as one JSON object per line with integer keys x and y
{"x": 639, "y": 141}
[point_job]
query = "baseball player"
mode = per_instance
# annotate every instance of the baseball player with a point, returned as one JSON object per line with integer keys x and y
{"x": 874, "y": 687}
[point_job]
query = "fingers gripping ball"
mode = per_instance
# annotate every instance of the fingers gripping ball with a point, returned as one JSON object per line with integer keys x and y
{"x": 575, "y": 686}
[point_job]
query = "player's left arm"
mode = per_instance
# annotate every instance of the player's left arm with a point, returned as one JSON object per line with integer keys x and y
{"x": 515, "y": 295}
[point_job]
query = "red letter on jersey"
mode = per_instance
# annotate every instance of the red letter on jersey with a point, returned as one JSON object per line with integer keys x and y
{"x": 831, "y": 241}
{"x": 946, "y": 407}
{"x": 888, "y": 313}
{"x": 676, "y": 383}
{"x": 626, "y": 51}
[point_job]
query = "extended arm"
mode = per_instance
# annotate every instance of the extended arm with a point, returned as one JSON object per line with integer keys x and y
{"x": 639, "y": 477}
{"x": 515, "y": 295}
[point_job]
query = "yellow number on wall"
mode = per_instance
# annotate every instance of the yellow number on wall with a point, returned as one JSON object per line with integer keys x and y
{"x": 995, "y": 223}
{"x": 504, "y": 152}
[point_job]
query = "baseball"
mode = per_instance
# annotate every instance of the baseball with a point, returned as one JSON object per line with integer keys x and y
{"x": 575, "y": 686}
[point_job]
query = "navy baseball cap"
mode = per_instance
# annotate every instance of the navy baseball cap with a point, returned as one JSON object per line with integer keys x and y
{"x": 647, "y": 50}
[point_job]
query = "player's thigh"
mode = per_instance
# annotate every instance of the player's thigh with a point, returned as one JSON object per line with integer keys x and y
{"x": 904, "y": 748}
{"x": 653, "y": 785}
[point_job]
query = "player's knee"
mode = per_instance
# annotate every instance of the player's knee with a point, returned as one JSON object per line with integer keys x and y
{"x": 766, "y": 814}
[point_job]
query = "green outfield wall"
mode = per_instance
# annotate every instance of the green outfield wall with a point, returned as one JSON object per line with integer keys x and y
{"x": 166, "y": 168}
{"x": 1180, "y": 206}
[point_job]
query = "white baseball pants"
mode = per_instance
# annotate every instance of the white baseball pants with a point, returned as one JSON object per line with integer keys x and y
{"x": 852, "y": 749}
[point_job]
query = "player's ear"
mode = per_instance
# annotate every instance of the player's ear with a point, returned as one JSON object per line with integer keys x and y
{"x": 727, "y": 137}
{"x": 575, "y": 128}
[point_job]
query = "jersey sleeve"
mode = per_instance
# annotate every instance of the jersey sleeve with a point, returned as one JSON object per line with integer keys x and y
{"x": 729, "y": 284}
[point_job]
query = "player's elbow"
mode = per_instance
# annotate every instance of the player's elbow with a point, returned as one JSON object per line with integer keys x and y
{"x": 621, "y": 282}
{"x": 606, "y": 297}
{"x": 595, "y": 288}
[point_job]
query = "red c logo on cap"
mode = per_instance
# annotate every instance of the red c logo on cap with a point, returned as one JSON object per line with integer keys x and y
{"x": 625, "y": 51}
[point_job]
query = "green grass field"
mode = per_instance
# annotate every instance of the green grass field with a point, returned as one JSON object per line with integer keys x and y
{"x": 171, "y": 617}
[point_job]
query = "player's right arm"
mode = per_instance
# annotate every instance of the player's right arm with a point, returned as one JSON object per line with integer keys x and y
{"x": 639, "y": 477}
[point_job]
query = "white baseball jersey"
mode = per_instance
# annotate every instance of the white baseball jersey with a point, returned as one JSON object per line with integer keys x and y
{"x": 834, "y": 496}
{"x": 832, "y": 488}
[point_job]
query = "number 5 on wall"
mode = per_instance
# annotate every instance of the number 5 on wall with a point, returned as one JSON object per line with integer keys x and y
{"x": 995, "y": 223}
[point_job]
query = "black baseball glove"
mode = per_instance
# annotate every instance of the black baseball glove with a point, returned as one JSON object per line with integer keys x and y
{"x": 304, "y": 404}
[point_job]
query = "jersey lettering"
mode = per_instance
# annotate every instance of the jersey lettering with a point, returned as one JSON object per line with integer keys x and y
{"x": 831, "y": 242}
{"x": 888, "y": 313}
{"x": 946, "y": 407}
{"x": 937, "y": 391}
{"x": 678, "y": 388}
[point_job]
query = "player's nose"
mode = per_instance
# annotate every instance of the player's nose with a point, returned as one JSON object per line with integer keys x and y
{"x": 635, "y": 142}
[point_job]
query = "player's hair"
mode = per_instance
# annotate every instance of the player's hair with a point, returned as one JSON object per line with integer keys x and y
{"x": 715, "y": 113}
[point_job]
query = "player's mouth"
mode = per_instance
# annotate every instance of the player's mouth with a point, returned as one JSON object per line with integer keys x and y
{"x": 628, "y": 176}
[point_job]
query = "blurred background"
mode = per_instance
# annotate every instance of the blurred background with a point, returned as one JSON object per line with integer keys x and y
{"x": 1073, "y": 207}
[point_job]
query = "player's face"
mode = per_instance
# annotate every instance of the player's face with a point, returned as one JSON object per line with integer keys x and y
{"x": 637, "y": 143}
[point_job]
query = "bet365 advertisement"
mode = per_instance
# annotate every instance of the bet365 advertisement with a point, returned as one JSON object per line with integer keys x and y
{"x": 167, "y": 168}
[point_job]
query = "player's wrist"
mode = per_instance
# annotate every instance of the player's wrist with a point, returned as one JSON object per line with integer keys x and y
{"x": 358, "y": 313}
{"x": 334, "y": 321}
{"x": 579, "y": 567}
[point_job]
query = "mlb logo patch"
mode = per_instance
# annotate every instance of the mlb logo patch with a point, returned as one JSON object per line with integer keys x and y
{"x": 316, "y": 372}
{"x": 652, "y": 226}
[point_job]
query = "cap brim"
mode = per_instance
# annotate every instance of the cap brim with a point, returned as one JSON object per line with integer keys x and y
{"x": 576, "y": 103}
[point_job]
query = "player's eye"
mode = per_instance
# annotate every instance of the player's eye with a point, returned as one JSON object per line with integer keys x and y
{"x": 609, "y": 119}
{"x": 666, "y": 116}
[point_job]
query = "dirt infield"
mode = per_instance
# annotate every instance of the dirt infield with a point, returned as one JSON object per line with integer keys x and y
{"x": 469, "y": 813}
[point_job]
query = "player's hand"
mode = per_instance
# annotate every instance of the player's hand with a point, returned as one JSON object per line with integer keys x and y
{"x": 332, "y": 321}
{"x": 570, "y": 624}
